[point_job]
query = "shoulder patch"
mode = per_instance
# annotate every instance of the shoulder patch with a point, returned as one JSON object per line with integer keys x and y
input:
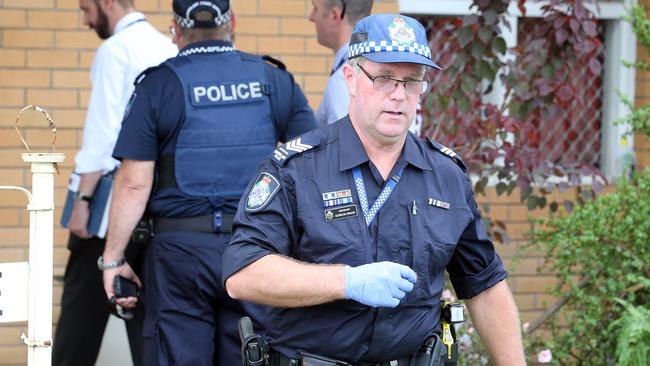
{"x": 294, "y": 147}
{"x": 266, "y": 186}
{"x": 275, "y": 62}
{"x": 448, "y": 152}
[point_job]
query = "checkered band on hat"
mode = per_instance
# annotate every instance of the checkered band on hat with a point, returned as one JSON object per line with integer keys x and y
{"x": 384, "y": 46}
{"x": 189, "y": 23}
{"x": 211, "y": 49}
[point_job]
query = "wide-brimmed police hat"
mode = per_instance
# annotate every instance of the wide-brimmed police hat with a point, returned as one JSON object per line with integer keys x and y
{"x": 391, "y": 38}
{"x": 184, "y": 11}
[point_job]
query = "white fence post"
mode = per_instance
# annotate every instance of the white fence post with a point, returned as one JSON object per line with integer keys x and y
{"x": 41, "y": 242}
{"x": 27, "y": 287}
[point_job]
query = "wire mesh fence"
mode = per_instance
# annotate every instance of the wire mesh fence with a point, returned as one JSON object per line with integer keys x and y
{"x": 569, "y": 135}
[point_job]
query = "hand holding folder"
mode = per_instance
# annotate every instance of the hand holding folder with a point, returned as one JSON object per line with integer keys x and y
{"x": 99, "y": 205}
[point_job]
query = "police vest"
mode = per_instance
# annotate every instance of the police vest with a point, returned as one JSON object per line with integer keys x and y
{"x": 228, "y": 127}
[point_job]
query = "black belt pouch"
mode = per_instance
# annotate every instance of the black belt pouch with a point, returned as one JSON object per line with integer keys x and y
{"x": 430, "y": 354}
{"x": 309, "y": 359}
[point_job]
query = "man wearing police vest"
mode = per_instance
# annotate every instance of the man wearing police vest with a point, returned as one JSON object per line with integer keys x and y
{"x": 195, "y": 130}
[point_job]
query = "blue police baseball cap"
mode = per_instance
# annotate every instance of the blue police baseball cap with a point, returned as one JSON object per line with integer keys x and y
{"x": 184, "y": 11}
{"x": 391, "y": 38}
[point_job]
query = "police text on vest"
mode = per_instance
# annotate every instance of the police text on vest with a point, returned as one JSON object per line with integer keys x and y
{"x": 226, "y": 93}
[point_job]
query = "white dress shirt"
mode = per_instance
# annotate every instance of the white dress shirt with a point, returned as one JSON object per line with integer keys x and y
{"x": 134, "y": 46}
{"x": 336, "y": 99}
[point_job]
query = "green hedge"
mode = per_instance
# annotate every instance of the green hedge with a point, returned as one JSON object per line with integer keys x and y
{"x": 606, "y": 242}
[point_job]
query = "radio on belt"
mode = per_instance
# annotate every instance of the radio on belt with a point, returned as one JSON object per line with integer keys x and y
{"x": 453, "y": 312}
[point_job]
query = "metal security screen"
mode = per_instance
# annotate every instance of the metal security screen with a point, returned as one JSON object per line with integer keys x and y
{"x": 573, "y": 133}
{"x": 569, "y": 136}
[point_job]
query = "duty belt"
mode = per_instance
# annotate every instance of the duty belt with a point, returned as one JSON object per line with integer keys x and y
{"x": 215, "y": 223}
{"x": 255, "y": 351}
{"x": 278, "y": 359}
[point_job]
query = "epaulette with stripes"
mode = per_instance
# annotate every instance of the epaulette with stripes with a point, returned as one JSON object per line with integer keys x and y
{"x": 294, "y": 147}
{"x": 448, "y": 152}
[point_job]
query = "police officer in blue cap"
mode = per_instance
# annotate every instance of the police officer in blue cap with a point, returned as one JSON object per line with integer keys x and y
{"x": 348, "y": 229}
{"x": 195, "y": 130}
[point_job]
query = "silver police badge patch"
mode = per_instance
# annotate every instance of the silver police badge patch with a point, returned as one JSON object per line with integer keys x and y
{"x": 401, "y": 32}
{"x": 263, "y": 190}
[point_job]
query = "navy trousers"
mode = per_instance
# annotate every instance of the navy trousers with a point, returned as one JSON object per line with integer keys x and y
{"x": 189, "y": 317}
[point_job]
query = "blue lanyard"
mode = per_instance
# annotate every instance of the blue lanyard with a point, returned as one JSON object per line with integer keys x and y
{"x": 369, "y": 214}
{"x": 134, "y": 22}
{"x": 338, "y": 66}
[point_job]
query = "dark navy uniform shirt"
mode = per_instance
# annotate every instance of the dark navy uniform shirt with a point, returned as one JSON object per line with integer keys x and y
{"x": 156, "y": 113}
{"x": 444, "y": 231}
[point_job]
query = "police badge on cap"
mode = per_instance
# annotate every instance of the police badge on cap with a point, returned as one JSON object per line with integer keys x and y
{"x": 391, "y": 38}
{"x": 184, "y": 11}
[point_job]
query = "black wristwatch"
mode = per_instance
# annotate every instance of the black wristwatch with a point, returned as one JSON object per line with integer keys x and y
{"x": 82, "y": 197}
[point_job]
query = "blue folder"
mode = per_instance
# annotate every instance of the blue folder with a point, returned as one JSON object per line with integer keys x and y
{"x": 99, "y": 206}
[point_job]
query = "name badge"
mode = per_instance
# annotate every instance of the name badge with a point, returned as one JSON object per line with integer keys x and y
{"x": 343, "y": 212}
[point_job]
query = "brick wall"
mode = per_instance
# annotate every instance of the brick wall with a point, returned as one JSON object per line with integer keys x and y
{"x": 45, "y": 55}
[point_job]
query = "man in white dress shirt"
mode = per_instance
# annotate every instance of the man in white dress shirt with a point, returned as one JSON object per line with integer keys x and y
{"x": 334, "y": 21}
{"x": 131, "y": 45}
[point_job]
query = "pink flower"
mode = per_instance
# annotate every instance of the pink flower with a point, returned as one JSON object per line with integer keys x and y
{"x": 447, "y": 295}
{"x": 544, "y": 356}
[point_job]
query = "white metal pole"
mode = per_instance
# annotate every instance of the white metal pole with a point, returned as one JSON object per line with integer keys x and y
{"x": 617, "y": 148}
{"x": 41, "y": 221}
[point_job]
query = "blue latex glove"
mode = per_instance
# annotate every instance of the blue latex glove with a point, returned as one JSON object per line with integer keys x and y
{"x": 380, "y": 284}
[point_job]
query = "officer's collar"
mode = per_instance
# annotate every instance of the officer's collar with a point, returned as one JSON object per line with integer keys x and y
{"x": 207, "y": 47}
{"x": 352, "y": 153}
{"x": 414, "y": 152}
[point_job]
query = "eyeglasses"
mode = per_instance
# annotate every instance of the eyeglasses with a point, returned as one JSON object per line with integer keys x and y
{"x": 388, "y": 85}
{"x": 343, "y": 9}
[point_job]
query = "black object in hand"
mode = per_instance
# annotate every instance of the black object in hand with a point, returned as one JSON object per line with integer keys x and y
{"x": 125, "y": 287}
